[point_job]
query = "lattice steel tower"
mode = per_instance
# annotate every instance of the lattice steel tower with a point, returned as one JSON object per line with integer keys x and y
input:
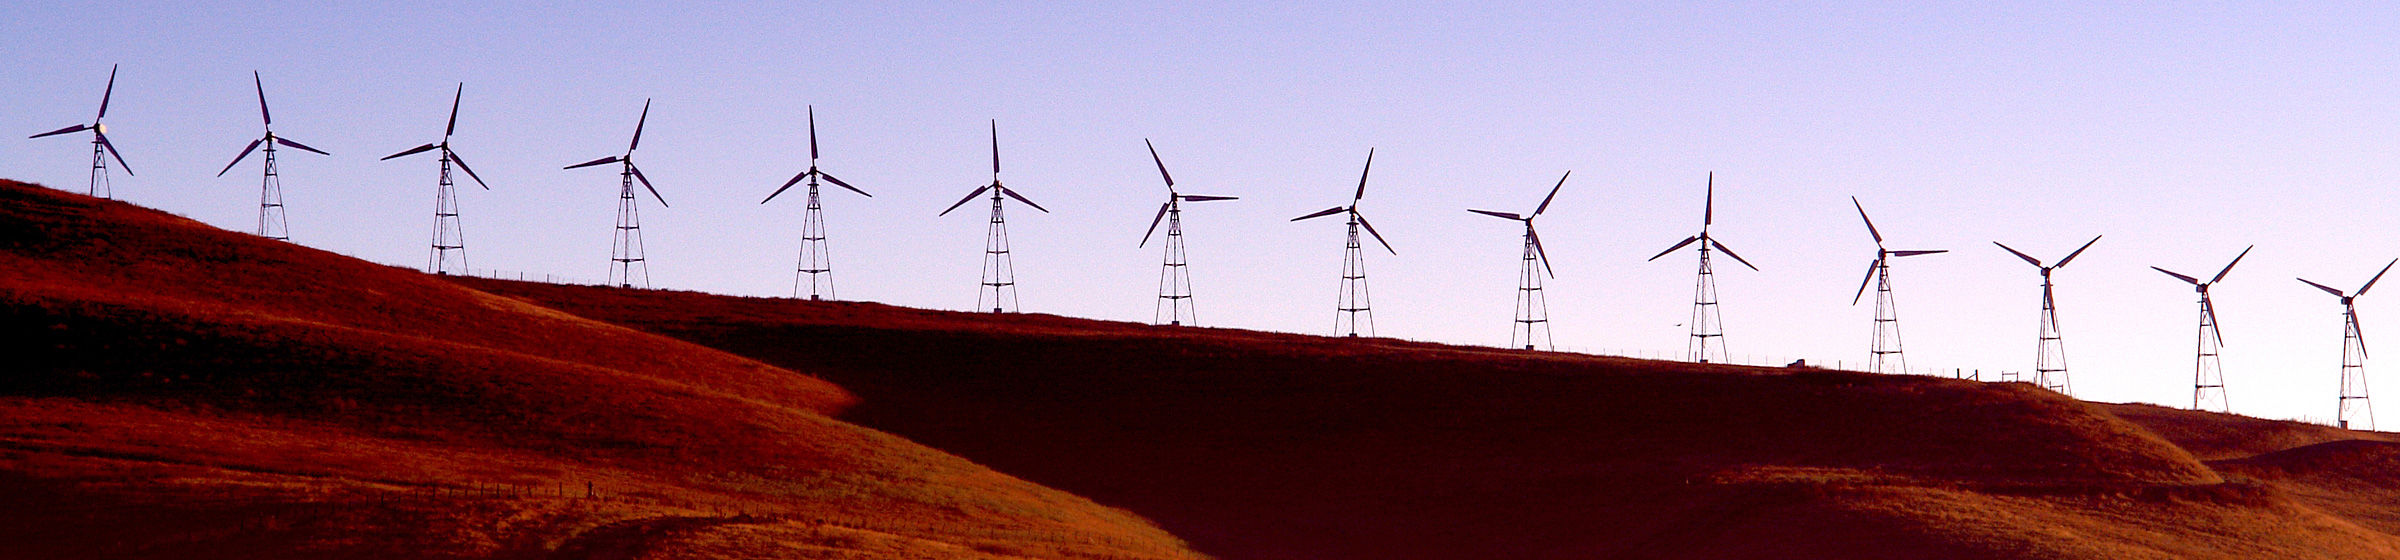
{"x": 2208, "y": 373}
{"x": 270, "y": 187}
{"x": 2352, "y": 404}
{"x": 998, "y": 287}
{"x": 627, "y": 267}
{"x": 449, "y": 241}
{"x": 1708, "y": 333}
{"x": 102, "y": 149}
{"x": 1531, "y": 328}
{"x": 2050, "y": 358}
{"x": 1354, "y": 301}
{"x": 815, "y": 274}
{"x": 1884, "y": 356}
{"x": 1174, "y": 305}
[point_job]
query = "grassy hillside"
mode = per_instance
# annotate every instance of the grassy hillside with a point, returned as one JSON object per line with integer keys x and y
{"x": 196, "y": 393}
{"x": 1270, "y": 446}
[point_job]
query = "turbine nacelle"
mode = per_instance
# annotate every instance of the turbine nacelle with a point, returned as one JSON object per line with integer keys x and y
{"x": 1708, "y": 217}
{"x": 1352, "y": 208}
{"x": 1175, "y": 200}
{"x": 1531, "y": 236}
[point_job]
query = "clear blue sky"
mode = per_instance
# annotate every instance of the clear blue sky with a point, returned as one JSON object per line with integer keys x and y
{"x": 2182, "y": 132}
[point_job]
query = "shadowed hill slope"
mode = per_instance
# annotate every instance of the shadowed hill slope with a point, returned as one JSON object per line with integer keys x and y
{"x": 2212, "y": 436}
{"x": 1270, "y": 446}
{"x": 196, "y": 393}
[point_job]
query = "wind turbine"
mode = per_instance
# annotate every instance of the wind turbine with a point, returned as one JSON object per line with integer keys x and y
{"x": 626, "y": 254}
{"x": 999, "y": 271}
{"x": 100, "y": 144}
{"x": 1174, "y": 278}
{"x": 1886, "y": 349}
{"x": 2050, "y": 358}
{"x": 816, "y": 263}
{"x": 270, "y": 186}
{"x": 1707, "y": 321}
{"x": 1354, "y": 299}
{"x": 449, "y": 241}
{"x": 2208, "y": 374}
{"x": 1533, "y": 309}
{"x": 2354, "y": 356}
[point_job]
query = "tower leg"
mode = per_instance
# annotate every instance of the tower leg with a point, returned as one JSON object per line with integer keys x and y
{"x": 1174, "y": 276}
{"x": 270, "y": 200}
{"x": 1886, "y": 356}
{"x": 2050, "y": 362}
{"x": 999, "y": 290}
{"x": 449, "y": 241}
{"x": 1532, "y": 327}
{"x": 628, "y": 267}
{"x": 99, "y": 185}
{"x": 2354, "y": 406}
{"x": 816, "y": 261}
{"x": 2208, "y": 374}
{"x": 1354, "y": 303}
{"x": 1708, "y": 332}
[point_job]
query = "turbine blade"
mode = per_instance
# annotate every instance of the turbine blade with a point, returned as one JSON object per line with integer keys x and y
{"x": 2214, "y": 325}
{"x": 1729, "y": 252}
{"x": 787, "y": 185}
{"x": 2362, "y": 333}
{"x": 812, "y": 133}
{"x": 1162, "y": 165}
{"x": 2020, "y": 254}
{"x": 1686, "y": 241}
{"x": 1915, "y": 253}
{"x": 2336, "y": 293}
{"x": 238, "y": 159}
{"x": 1562, "y": 182}
{"x": 2186, "y": 279}
{"x": 637, "y": 128}
{"x": 1162, "y": 214}
{"x": 1204, "y": 198}
{"x": 454, "y": 98}
{"x": 963, "y": 201}
{"x": 2237, "y": 259}
{"x": 411, "y": 151}
{"x": 112, "y": 151}
{"x": 609, "y": 159}
{"x": 76, "y": 128}
{"x": 2062, "y": 263}
{"x": 2353, "y": 313}
{"x": 1536, "y": 237}
{"x": 1708, "y": 209}
{"x": 1322, "y": 213}
{"x": 1862, "y": 283}
{"x": 107, "y": 93}
{"x": 2362, "y": 290}
{"x": 637, "y": 174}
{"x": 1012, "y": 193}
{"x": 1362, "y": 220}
{"x": 1497, "y": 214}
{"x": 262, "y": 98}
{"x": 995, "y": 147}
{"x": 1362, "y": 180}
{"x": 288, "y": 142}
{"x": 462, "y": 164}
{"x": 838, "y": 182}
{"x": 1862, "y": 216}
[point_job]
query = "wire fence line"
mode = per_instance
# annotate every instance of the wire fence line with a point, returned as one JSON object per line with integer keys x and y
{"x": 1754, "y": 360}
{"x": 523, "y": 276}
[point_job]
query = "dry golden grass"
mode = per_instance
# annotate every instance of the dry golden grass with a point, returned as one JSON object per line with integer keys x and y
{"x": 197, "y": 393}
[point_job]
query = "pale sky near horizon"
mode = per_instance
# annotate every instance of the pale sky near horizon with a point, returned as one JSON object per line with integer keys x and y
{"x": 2183, "y": 132}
